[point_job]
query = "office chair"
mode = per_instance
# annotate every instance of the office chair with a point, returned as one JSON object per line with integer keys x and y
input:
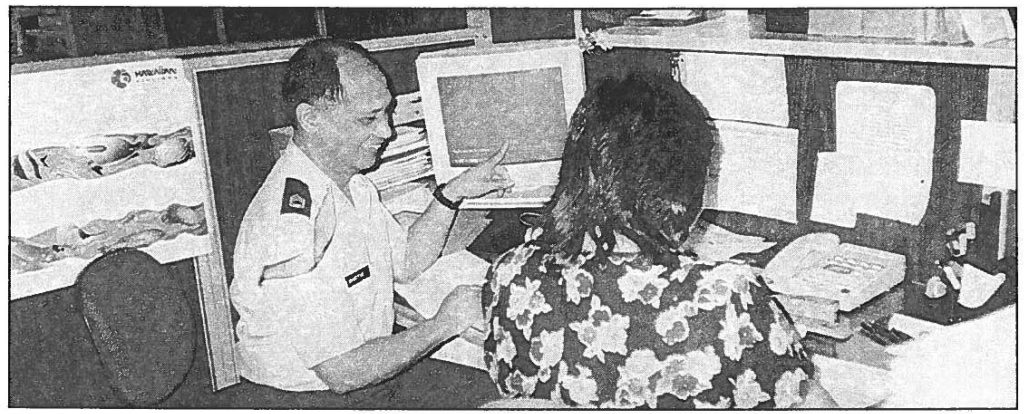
{"x": 140, "y": 323}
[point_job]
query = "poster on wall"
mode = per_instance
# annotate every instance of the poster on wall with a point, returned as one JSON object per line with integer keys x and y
{"x": 102, "y": 158}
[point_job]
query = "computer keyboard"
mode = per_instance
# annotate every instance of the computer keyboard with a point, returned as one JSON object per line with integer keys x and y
{"x": 516, "y": 197}
{"x": 528, "y": 192}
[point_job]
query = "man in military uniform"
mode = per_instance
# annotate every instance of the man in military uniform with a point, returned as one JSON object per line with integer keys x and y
{"x": 317, "y": 253}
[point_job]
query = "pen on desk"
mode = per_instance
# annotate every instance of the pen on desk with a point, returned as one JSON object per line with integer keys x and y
{"x": 882, "y": 330}
{"x": 902, "y": 335}
{"x": 899, "y": 335}
{"x": 869, "y": 332}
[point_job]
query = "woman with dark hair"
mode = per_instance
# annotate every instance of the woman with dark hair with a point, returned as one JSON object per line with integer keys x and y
{"x": 601, "y": 307}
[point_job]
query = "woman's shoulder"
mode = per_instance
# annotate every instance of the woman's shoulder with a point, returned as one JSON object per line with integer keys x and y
{"x": 529, "y": 246}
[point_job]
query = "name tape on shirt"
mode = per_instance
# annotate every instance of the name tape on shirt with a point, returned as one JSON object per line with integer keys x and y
{"x": 296, "y": 198}
{"x": 358, "y": 276}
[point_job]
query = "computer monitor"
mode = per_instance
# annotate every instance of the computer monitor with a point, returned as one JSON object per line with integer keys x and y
{"x": 476, "y": 98}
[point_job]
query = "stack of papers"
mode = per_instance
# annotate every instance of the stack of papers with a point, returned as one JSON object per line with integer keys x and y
{"x": 669, "y": 17}
{"x": 714, "y": 243}
{"x": 426, "y": 293}
{"x": 405, "y": 159}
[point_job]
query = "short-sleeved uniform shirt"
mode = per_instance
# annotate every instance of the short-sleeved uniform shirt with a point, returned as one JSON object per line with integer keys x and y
{"x": 621, "y": 332}
{"x": 335, "y": 291}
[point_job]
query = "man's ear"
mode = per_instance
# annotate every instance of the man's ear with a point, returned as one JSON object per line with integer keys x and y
{"x": 307, "y": 116}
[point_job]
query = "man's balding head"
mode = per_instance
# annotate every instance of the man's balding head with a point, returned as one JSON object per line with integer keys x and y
{"x": 341, "y": 106}
{"x": 320, "y": 70}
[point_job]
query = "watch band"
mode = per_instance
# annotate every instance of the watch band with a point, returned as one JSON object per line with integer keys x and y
{"x": 445, "y": 201}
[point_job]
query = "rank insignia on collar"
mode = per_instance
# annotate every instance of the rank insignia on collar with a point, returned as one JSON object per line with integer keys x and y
{"x": 297, "y": 202}
{"x": 296, "y": 198}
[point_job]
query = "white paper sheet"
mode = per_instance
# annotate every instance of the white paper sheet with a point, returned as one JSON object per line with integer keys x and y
{"x": 978, "y": 286}
{"x": 739, "y": 87}
{"x": 848, "y": 184}
{"x": 890, "y": 121}
{"x": 1002, "y": 107}
{"x": 1002, "y": 95}
{"x": 832, "y": 202}
{"x": 716, "y": 244}
{"x": 885, "y": 134}
{"x": 850, "y": 384}
{"x": 914, "y": 327}
{"x": 430, "y": 288}
{"x": 897, "y": 192}
{"x": 987, "y": 154}
{"x": 968, "y": 364}
{"x": 757, "y": 173}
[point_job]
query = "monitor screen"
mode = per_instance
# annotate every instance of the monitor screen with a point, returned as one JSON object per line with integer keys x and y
{"x": 481, "y": 111}
{"x": 477, "y": 98}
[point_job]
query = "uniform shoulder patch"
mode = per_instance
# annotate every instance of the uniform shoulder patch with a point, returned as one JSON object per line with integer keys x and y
{"x": 296, "y": 198}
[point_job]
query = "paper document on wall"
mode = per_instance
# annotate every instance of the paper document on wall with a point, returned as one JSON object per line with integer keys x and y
{"x": 892, "y": 121}
{"x": 987, "y": 154}
{"x": 757, "y": 171}
{"x": 426, "y": 293}
{"x": 885, "y": 135}
{"x": 832, "y": 187}
{"x": 739, "y": 87}
{"x": 899, "y": 192}
{"x": 847, "y": 184}
{"x": 1002, "y": 95}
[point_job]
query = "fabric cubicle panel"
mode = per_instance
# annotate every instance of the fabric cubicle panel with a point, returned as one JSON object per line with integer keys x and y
{"x": 961, "y": 93}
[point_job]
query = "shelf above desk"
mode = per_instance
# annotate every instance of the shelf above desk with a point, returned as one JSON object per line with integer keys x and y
{"x": 712, "y": 37}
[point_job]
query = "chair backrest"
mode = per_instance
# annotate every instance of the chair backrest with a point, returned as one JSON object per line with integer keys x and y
{"x": 140, "y": 323}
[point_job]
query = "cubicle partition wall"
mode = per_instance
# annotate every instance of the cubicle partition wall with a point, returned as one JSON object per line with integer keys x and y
{"x": 960, "y": 79}
{"x": 961, "y": 93}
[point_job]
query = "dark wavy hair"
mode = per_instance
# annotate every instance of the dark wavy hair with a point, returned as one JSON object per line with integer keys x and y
{"x": 313, "y": 74}
{"x": 635, "y": 162}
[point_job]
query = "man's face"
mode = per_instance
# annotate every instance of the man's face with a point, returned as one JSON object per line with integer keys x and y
{"x": 357, "y": 125}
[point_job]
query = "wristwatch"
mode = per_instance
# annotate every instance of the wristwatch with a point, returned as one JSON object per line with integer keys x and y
{"x": 445, "y": 201}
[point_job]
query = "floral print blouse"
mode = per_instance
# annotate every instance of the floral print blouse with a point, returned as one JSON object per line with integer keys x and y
{"x": 622, "y": 333}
